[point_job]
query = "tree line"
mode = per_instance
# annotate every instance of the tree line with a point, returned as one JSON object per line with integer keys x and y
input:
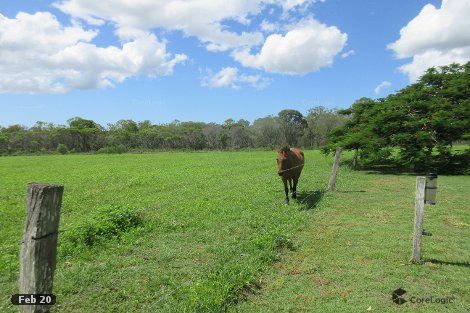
{"x": 80, "y": 135}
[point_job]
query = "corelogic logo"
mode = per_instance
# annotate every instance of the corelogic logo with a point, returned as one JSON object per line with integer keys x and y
{"x": 398, "y": 296}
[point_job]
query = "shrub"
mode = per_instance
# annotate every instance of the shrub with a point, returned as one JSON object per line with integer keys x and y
{"x": 62, "y": 149}
{"x": 113, "y": 149}
{"x": 106, "y": 223}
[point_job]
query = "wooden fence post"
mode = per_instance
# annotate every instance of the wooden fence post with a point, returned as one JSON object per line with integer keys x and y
{"x": 39, "y": 245}
{"x": 419, "y": 215}
{"x": 354, "y": 161}
{"x": 334, "y": 172}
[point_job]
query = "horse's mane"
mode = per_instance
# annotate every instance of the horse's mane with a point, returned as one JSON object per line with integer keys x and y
{"x": 285, "y": 149}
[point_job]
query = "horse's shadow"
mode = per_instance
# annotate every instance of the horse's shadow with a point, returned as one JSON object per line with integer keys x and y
{"x": 310, "y": 199}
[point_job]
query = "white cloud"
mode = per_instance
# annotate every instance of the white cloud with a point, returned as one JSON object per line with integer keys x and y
{"x": 38, "y": 54}
{"x": 229, "y": 77}
{"x": 433, "y": 58}
{"x": 268, "y": 27}
{"x": 200, "y": 18}
{"x": 307, "y": 47}
{"x": 435, "y": 37}
{"x": 226, "y": 77}
{"x": 381, "y": 86}
{"x": 348, "y": 54}
{"x": 203, "y": 19}
{"x": 291, "y": 4}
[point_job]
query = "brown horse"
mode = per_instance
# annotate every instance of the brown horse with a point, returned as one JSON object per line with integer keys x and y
{"x": 290, "y": 162}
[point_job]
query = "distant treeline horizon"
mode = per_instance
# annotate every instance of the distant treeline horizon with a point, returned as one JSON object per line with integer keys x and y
{"x": 288, "y": 128}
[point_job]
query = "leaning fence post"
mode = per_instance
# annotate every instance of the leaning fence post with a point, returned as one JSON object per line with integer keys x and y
{"x": 334, "y": 172}
{"x": 39, "y": 245}
{"x": 418, "y": 223}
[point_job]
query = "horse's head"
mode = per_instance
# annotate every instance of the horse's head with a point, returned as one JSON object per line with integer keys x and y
{"x": 282, "y": 161}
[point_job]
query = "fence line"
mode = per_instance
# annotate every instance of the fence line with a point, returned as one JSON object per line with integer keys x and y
{"x": 157, "y": 206}
{"x": 223, "y": 187}
{"x": 82, "y": 226}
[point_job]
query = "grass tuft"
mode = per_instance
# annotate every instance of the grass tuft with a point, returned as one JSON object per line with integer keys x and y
{"x": 106, "y": 223}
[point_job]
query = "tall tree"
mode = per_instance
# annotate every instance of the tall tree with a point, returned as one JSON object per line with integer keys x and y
{"x": 419, "y": 121}
{"x": 321, "y": 121}
{"x": 124, "y": 132}
{"x": 293, "y": 125}
{"x": 85, "y": 134}
{"x": 213, "y": 136}
{"x": 268, "y": 132}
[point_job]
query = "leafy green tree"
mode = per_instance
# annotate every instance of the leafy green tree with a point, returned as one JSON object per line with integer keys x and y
{"x": 420, "y": 122}
{"x": 85, "y": 134}
{"x": 268, "y": 132}
{"x": 320, "y": 122}
{"x": 123, "y": 132}
{"x": 16, "y": 138}
{"x": 358, "y": 133}
{"x": 144, "y": 125}
{"x": 3, "y": 143}
{"x": 229, "y": 123}
{"x": 293, "y": 125}
{"x": 150, "y": 138}
{"x": 213, "y": 136}
{"x": 81, "y": 123}
{"x": 192, "y": 135}
{"x": 62, "y": 149}
{"x": 240, "y": 137}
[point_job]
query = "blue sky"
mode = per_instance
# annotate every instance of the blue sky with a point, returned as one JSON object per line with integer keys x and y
{"x": 210, "y": 60}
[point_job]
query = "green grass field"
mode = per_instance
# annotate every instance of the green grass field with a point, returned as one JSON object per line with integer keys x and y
{"x": 215, "y": 236}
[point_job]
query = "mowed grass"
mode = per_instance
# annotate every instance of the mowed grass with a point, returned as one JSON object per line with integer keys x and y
{"x": 216, "y": 236}
{"x": 356, "y": 249}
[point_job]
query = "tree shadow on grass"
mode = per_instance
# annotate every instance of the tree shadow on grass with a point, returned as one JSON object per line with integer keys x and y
{"x": 458, "y": 164}
{"x": 434, "y": 261}
{"x": 310, "y": 199}
{"x": 386, "y": 167}
{"x": 386, "y": 170}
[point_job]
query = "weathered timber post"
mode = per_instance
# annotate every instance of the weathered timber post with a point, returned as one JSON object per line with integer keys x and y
{"x": 334, "y": 172}
{"x": 419, "y": 215}
{"x": 354, "y": 161}
{"x": 39, "y": 245}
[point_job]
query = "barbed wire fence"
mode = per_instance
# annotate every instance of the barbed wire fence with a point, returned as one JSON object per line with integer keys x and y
{"x": 7, "y": 249}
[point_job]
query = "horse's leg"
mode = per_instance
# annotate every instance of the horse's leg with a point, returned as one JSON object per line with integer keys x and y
{"x": 286, "y": 190}
{"x": 290, "y": 184}
{"x": 294, "y": 192}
